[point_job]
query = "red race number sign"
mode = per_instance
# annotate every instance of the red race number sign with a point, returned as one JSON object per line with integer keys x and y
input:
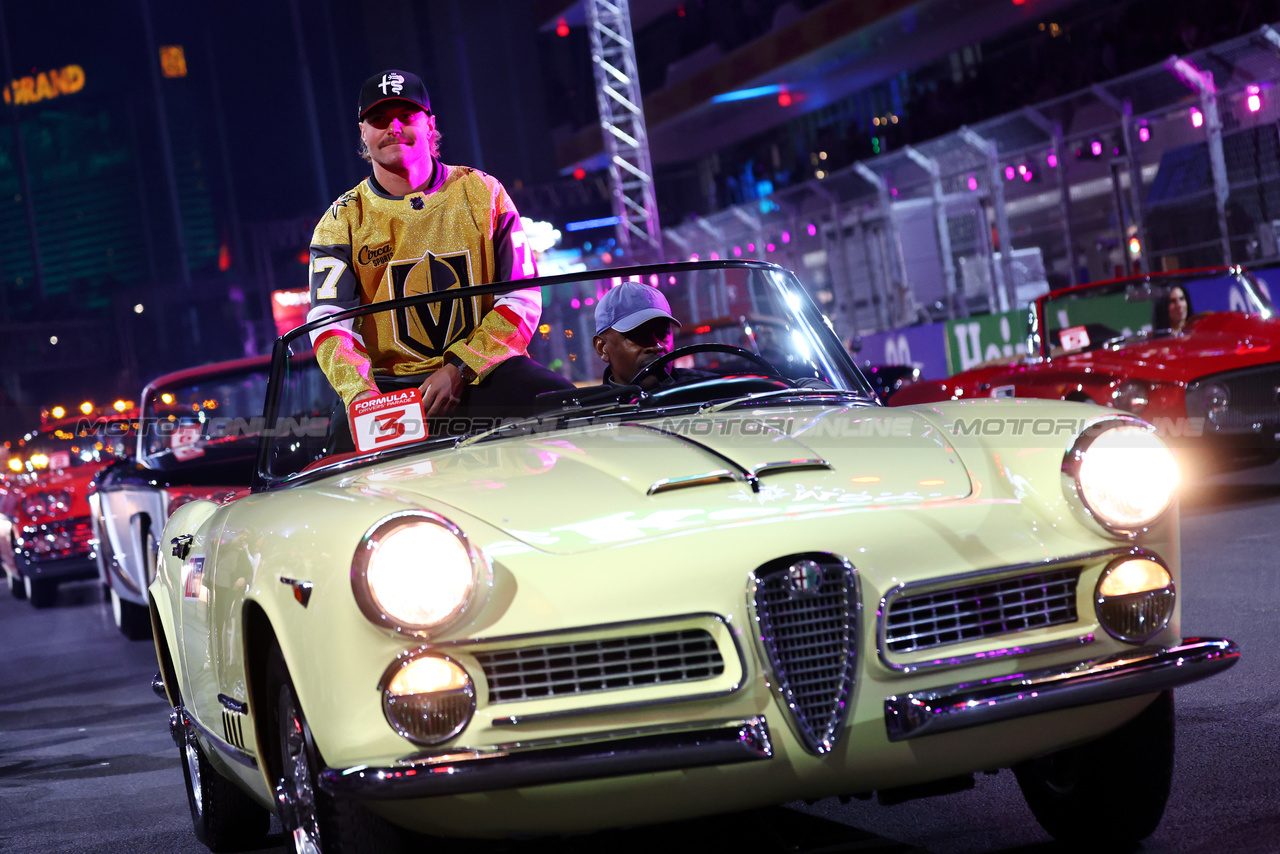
{"x": 388, "y": 420}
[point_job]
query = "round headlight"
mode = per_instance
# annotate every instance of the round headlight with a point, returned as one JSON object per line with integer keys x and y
{"x": 414, "y": 572}
{"x": 36, "y": 505}
{"x": 1123, "y": 474}
{"x": 1135, "y": 598}
{"x": 428, "y": 698}
{"x": 1209, "y": 400}
{"x": 1131, "y": 396}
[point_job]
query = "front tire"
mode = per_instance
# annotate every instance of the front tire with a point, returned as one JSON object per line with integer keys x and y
{"x": 316, "y": 822}
{"x": 224, "y": 817}
{"x": 1108, "y": 794}
{"x": 17, "y": 589}
{"x": 132, "y": 619}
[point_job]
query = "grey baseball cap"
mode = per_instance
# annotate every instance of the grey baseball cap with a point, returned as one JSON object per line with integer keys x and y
{"x": 630, "y": 304}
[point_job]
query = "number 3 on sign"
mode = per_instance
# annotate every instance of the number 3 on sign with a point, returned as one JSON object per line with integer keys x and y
{"x": 388, "y": 420}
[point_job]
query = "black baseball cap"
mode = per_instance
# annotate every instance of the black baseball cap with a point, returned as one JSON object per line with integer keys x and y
{"x": 393, "y": 85}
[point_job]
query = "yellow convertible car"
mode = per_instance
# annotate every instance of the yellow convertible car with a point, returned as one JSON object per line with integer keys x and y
{"x": 734, "y": 580}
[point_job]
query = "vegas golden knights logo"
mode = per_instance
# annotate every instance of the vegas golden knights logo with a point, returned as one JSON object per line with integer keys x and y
{"x": 428, "y": 329}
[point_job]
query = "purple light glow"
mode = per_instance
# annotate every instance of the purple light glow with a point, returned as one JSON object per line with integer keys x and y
{"x": 1052, "y": 160}
{"x": 770, "y": 248}
{"x": 973, "y": 183}
{"x": 786, "y": 237}
{"x": 1144, "y": 134}
{"x": 1027, "y": 176}
{"x": 693, "y": 257}
{"x": 1254, "y": 100}
{"x": 1096, "y": 148}
{"x": 813, "y": 229}
{"x": 751, "y": 247}
{"x": 575, "y": 302}
{"x": 1197, "y": 117}
{"x": 737, "y": 252}
{"x": 1008, "y": 173}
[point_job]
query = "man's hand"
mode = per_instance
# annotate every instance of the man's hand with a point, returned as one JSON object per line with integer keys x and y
{"x": 442, "y": 391}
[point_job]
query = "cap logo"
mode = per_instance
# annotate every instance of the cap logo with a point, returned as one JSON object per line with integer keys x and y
{"x": 394, "y": 81}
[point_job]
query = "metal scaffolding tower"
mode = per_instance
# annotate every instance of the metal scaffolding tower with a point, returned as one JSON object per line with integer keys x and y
{"x": 613, "y": 58}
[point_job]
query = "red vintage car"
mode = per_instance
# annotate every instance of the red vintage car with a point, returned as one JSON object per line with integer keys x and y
{"x": 50, "y": 536}
{"x": 1197, "y": 353}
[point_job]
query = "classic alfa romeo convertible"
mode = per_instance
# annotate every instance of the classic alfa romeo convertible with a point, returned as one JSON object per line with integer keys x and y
{"x": 635, "y": 603}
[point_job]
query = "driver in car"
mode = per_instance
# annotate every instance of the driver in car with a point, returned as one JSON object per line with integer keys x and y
{"x": 635, "y": 327}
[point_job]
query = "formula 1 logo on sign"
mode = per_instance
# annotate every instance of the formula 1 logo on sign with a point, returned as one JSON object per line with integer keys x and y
{"x": 388, "y": 420}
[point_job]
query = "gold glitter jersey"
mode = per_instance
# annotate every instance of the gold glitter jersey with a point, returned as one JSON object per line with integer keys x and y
{"x": 370, "y": 246}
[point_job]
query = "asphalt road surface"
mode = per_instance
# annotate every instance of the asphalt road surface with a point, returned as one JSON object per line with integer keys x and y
{"x": 87, "y": 765}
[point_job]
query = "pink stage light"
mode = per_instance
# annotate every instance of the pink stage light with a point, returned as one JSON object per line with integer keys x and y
{"x": 1008, "y": 173}
{"x": 1254, "y": 99}
{"x": 1144, "y": 134}
{"x": 973, "y": 183}
{"x": 737, "y": 252}
{"x": 813, "y": 230}
{"x": 1197, "y": 117}
{"x": 1096, "y": 148}
{"x": 1052, "y": 160}
{"x": 786, "y": 237}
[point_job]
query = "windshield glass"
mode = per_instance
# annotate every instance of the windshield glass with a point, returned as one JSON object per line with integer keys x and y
{"x": 215, "y": 415}
{"x": 1110, "y": 313}
{"x": 71, "y": 445}
{"x": 747, "y": 335}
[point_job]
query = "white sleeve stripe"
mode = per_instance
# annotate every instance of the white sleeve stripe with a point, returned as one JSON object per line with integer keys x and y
{"x": 322, "y": 311}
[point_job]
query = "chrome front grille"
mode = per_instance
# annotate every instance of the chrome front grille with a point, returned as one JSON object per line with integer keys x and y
{"x": 1255, "y": 397}
{"x": 608, "y": 664}
{"x": 806, "y": 608}
{"x": 978, "y": 610}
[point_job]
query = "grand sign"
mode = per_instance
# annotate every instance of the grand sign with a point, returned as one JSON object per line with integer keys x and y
{"x": 45, "y": 85}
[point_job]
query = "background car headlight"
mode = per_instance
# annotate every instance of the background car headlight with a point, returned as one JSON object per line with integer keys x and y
{"x": 36, "y": 505}
{"x": 414, "y": 572}
{"x": 1135, "y": 598}
{"x": 1131, "y": 396}
{"x": 1209, "y": 400}
{"x": 428, "y": 698}
{"x": 1123, "y": 474}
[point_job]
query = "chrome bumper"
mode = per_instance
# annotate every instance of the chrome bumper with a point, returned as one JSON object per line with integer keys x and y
{"x": 614, "y": 754}
{"x": 1130, "y": 674}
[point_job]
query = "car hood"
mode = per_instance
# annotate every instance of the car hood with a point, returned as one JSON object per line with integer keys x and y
{"x": 575, "y": 490}
{"x": 1211, "y": 346}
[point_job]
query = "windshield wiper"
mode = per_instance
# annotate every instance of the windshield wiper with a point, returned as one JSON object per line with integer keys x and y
{"x": 832, "y": 393}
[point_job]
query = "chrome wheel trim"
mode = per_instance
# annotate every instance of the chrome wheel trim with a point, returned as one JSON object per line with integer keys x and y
{"x": 297, "y": 769}
{"x": 192, "y": 755}
{"x": 117, "y": 610}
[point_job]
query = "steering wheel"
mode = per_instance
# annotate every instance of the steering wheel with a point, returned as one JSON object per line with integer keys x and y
{"x": 706, "y": 347}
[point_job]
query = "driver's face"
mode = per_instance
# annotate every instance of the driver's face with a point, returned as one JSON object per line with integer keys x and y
{"x": 628, "y": 353}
